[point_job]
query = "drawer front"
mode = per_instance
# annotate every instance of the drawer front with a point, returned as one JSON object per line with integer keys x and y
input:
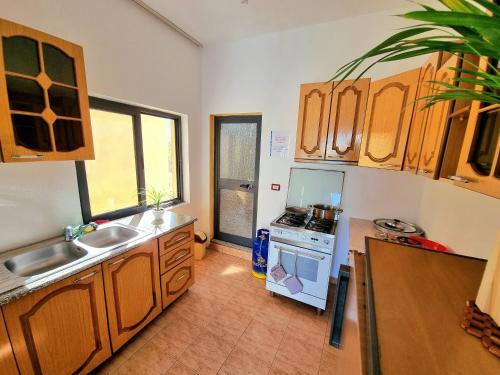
{"x": 176, "y": 281}
{"x": 170, "y": 241}
{"x": 176, "y": 256}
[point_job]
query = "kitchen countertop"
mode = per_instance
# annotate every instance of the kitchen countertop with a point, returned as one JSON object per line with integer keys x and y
{"x": 13, "y": 287}
{"x": 358, "y": 230}
{"x": 416, "y": 302}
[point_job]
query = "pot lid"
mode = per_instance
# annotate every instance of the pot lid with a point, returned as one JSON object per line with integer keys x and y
{"x": 397, "y": 226}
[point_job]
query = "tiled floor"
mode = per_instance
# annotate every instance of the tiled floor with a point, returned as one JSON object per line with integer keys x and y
{"x": 227, "y": 323}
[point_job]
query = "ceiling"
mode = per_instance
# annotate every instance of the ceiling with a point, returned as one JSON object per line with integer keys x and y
{"x": 212, "y": 21}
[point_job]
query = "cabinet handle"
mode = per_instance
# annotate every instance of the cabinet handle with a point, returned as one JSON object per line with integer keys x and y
{"x": 181, "y": 256}
{"x": 176, "y": 241}
{"x": 117, "y": 261}
{"x": 183, "y": 276}
{"x": 314, "y": 156}
{"x": 424, "y": 171}
{"x": 459, "y": 179}
{"x": 76, "y": 281}
{"x": 34, "y": 156}
{"x": 390, "y": 165}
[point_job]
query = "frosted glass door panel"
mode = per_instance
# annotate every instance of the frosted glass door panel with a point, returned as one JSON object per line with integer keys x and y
{"x": 237, "y": 144}
{"x": 236, "y": 208}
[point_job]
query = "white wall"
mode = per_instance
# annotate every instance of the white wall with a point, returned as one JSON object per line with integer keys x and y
{"x": 129, "y": 55}
{"x": 263, "y": 74}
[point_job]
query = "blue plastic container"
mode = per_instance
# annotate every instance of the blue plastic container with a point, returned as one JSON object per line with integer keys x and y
{"x": 259, "y": 253}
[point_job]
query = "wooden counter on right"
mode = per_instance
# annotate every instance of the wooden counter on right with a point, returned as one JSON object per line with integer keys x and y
{"x": 416, "y": 301}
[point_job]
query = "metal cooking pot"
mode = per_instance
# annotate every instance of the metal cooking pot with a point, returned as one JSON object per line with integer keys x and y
{"x": 324, "y": 211}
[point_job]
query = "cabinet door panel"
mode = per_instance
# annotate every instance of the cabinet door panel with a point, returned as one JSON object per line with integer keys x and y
{"x": 436, "y": 124}
{"x": 312, "y": 128}
{"x": 43, "y": 79}
{"x": 389, "y": 113}
{"x": 7, "y": 360}
{"x": 176, "y": 256}
{"x": 347, "y": 116}
{"x": 420, "y": 115}
{"x": 176, "y": 281}
{"x": 181, "y": 236}
{"x": 61, "y": 329}
{"x": 132, "y": 292}
{"x": 479, "y": 162}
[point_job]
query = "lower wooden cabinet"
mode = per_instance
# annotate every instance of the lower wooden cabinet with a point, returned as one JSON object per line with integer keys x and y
{"x": 132, "y": 292}
{"x": 176, "y": 256}
{"x": 176, "y": 281}
{"x": 7, "y": 360}
{"x": 388, "y": 117}
{"x": 61, "y": 329}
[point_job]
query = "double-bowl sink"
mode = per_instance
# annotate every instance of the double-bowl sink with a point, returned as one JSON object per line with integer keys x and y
{"x": 38, "y": 261}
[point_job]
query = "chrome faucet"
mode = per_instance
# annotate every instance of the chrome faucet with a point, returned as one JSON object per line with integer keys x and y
{"x": 71, "y": 233}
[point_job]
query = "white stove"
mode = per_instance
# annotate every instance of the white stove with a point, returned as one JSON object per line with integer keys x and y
{"x": 305, "y": 244}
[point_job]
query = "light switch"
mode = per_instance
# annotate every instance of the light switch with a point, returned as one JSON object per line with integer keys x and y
{"x": 275, "y": 187}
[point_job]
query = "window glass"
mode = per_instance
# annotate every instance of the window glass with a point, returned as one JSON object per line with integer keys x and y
{"x": 111, "y": 177}
{"x": 158, "y": 144}
{"x": 136, "y": 149}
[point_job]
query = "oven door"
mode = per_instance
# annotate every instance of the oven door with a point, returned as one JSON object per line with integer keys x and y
{"x": 313, "y": 268}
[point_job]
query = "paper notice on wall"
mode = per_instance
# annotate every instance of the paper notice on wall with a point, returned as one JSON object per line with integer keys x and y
{"x": 279, "y": 144}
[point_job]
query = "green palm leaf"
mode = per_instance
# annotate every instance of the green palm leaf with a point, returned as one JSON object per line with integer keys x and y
{"x": 469, "y": 27}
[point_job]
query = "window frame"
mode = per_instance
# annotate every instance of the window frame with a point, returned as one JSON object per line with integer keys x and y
{"x": 135, "y": 112}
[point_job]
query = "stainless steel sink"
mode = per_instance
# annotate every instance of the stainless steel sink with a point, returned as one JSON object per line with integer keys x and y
{"x": 38, "y": 261}
{"x": 109, "y": 237}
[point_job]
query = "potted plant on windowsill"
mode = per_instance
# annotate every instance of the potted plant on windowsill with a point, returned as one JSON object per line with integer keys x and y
{"x": 154, "y": 198}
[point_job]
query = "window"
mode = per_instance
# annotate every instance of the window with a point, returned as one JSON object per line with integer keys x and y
{"x": 136, "y": 149}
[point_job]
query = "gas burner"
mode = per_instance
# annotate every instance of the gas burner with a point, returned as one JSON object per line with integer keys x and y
{"x": 291, "y": 220}
{"x": 320, "y": 225}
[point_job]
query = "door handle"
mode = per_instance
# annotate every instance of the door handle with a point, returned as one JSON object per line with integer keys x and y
{"x": 247, "y": 186}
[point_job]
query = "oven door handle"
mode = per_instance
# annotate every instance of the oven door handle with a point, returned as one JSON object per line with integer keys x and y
{"x": 300, "y": 253}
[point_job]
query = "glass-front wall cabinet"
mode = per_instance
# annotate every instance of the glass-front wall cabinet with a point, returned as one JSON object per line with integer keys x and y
{"x": 479, "y": 165}
{"x": 44, "y": 110}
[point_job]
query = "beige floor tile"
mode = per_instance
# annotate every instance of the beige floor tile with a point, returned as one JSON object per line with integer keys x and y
{"x": 243, "y": 362}
{"x": 179, "y": 369}
{"x": 298, "y": 354}
{"x": 207, "y": 354}
{"x": 150, "y": 359}
{"x": 230, "y": 323}
{"x": 176, "y": 338}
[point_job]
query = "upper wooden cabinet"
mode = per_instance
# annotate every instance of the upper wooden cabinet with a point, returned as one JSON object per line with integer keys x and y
{"x": 479, "y": 164}
{"x": 388, "y": 116}
{"x": 61, "y": 329}
{"x": 420, "y": 115}
{"x": 433, "y": 138}
{"x": 45, "y": 111}
{"x": 330, "y": 127}
{"x": 7, "y": 360}
{"x": 133, "y": 293}
{"x": 347, "y": 117}
{"x": 312, "y": 128}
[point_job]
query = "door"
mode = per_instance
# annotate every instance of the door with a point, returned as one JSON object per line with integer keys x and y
{"x": 312, "y": 127}
{"x": 237, "y": 153}
{"x": 420, "y": 115}
{"x": 347, "y": 117}
{"x": 61, "y": 329}
{"x": 133, "y": 296}
{"x": 433, "y": 138}
{"x": 388, "y": 116}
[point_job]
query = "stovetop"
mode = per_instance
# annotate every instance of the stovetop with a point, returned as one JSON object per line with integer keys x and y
{"x": 307, "y": 223}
